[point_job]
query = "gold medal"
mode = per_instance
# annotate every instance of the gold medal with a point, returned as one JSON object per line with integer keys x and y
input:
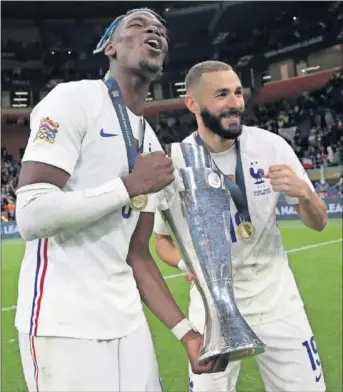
{"x": 137, "y": 203}
{"x": 246, "y": 230}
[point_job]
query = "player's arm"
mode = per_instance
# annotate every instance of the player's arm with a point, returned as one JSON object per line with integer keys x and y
{"x": 156, "y": 295}
{"x": 312, "y": 210}
{"x": 151, "y": 285}
{"x": 292, "y": 179}
{"x": 165, "y": 247}
{"x": 58, "y": 126}
{"x": 44, "y": 209}
{"x": 166, "y": 250}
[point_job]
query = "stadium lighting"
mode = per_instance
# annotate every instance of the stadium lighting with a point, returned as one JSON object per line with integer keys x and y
{"x": 310, "y": 69}
{"x": 19, "y": 105}
{"x": 19, "y": 99}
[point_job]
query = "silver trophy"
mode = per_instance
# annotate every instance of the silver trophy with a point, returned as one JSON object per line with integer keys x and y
{"x": 199, "y": 222}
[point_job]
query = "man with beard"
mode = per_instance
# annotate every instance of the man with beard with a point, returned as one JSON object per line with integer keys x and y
{"x": 264, "y": 286}
{"x": 85, "y": 207}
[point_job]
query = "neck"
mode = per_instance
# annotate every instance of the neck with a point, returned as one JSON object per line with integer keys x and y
{"x": 214, "y": 142}
{"x": 134, "y": 88}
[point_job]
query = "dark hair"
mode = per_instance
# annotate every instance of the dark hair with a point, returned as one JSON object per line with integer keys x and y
{"x": 152, "y": 12}
{"x": 113, "y": 26}
{"x": 194, "y": 74}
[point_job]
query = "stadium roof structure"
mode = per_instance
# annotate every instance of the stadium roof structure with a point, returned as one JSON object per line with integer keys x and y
{"x": 198, "y": 30}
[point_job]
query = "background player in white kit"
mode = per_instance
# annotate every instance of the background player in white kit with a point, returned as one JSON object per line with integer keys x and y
{"x": 87, "y": 262}
{"x": 264, "y": 286}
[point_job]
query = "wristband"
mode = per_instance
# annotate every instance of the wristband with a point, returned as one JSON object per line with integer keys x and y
{"x": 182, "y": 266}
{"x": 180, "y": 329}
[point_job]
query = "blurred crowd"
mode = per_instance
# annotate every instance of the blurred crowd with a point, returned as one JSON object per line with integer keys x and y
{"x": 21, "y": 50}
{"x": 312, "y": 125}
{"x": 62, "y": 51}
{"x": 9, "y": 181}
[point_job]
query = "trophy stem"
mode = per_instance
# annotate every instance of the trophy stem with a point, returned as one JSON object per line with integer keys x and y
{"x": 226, "y": 331}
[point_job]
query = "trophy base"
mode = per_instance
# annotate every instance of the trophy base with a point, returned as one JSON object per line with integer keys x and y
{"x": 229, "y": 354}
{"x": 220, "y": 362}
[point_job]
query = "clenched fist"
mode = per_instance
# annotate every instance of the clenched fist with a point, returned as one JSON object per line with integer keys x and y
{"x": 284, "y": 179}
{"x": 152, "y": 172}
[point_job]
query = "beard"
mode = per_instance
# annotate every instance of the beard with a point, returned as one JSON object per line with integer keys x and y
{"x": 150, "y": 69}
{"x": 214, "y": 124}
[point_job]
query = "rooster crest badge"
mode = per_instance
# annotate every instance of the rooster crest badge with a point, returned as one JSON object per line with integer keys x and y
{"x": 256, "y": 175}
{"x": 262, "y": 187}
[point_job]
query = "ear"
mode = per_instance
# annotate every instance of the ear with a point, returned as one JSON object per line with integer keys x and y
{"x": 110, "y": 50}
{"x": 192, "y": 104}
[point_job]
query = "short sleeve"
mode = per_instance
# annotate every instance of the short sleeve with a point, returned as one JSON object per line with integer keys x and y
{"x": 58, "y": 125}
{"x": 291, "y": 159}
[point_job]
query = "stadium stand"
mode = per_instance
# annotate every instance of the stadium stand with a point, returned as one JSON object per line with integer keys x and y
{"x": 9, "y": 181}
{"x": 289, "y": 57}
{"x": 291, "y": 66}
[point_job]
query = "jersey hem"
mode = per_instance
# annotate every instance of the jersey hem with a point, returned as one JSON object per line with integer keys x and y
{"x": 53, "y": 331}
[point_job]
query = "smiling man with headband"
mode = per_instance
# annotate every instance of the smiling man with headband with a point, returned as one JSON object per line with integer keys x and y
{"x": 257, "y": 166}
{"x": 85, "y": 205}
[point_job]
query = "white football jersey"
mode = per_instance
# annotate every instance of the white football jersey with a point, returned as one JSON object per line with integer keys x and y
{"x": 264, "y": 286}
{"x": 79, "y": 284}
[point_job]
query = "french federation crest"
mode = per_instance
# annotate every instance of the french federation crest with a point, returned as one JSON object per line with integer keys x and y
{"x": 261, "y": 186}
{"x": 256, "y": 174}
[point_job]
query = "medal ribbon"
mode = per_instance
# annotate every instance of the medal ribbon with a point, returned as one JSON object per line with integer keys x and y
{"x": 118, "y": 103}
{"x": 237, "y": 189}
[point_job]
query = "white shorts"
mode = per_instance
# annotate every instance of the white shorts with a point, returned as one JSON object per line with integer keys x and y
{"x": 290, "y": 362}
{"x": 57, "y": 364}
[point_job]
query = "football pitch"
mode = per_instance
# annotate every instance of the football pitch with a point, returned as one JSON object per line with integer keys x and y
{"x": 316, "y": 260}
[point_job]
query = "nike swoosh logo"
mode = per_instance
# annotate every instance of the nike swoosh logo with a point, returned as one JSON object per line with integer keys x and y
{"x": 318, "y": 377}
{"x": 103, "y": 134}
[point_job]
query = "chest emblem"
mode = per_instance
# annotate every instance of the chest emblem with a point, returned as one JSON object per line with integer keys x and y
{"x": 262, "y": 187}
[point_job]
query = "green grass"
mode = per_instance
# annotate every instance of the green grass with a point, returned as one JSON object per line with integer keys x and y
{"x": 318, "y": 272}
